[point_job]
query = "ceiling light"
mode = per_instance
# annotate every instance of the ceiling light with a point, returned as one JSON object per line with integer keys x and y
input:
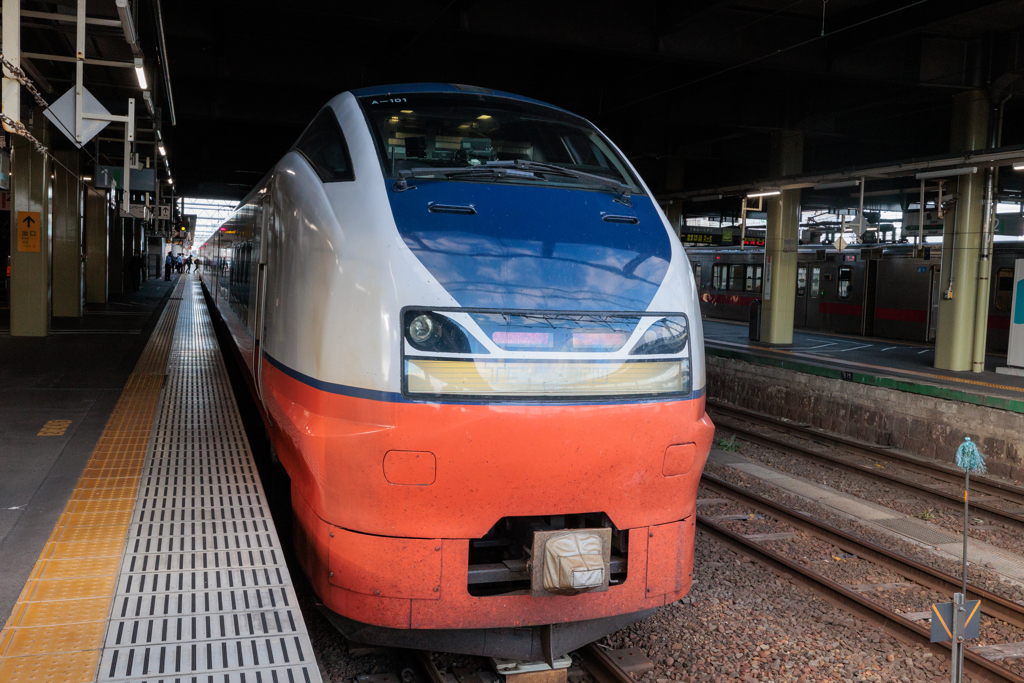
{"x": 87, "y": 177}
{"x": 764, "y": 193}
{"x": 483, "y": 117}
{"x": 837, "y": 185}
{"x": 170, "y": 180}
{"x": 406, "y": 111}
{"x": 140, "y": 72}
{"x": 125, "y": 12}
{"x": 1018, "y": 167}
{"x": 968, "y": 170}
{"x": 163, "y": 152}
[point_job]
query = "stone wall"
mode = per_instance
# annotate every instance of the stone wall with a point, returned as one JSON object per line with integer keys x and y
{"x": 910, "y": 422}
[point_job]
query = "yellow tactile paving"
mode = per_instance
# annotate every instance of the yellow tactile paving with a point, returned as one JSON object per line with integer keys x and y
{"x": 55, "y": 631}
{"x": 63, "y": 667}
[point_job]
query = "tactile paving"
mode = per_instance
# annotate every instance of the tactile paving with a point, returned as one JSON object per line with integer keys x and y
{"x": 203, "y": 592}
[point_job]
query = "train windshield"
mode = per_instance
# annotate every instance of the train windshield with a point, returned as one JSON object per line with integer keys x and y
{"x": 490, "y": 139}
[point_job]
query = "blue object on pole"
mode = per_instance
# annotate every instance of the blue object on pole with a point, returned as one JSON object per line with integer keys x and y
{"x": 969, "y": 458}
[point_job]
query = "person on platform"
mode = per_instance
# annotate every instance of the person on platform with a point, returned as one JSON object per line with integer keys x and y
{"x": 188, "y": 264}
{"x": 168, "y": 263}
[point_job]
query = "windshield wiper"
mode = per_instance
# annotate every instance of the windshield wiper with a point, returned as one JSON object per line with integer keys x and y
{"x": 518, "y": 168}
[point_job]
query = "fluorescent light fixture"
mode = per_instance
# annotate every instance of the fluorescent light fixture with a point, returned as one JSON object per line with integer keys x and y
{"x": 141, "y": 73}
{"x": 764, "y": 193}
{"x": 836, "y": 185}
{"x": 170, "y": 180}
{"x": 1018, "y": 167}
{"x": 406, "y": 111}
{"x": 483, "y": 117}
{"x": 159, "y": 136}
{"x": 966, "y": 170}
{"x": 87, "y": 177}
{"x": 125, "y": 12}
{"x": 706, "y": 198}
{"x": 163, "y": 152}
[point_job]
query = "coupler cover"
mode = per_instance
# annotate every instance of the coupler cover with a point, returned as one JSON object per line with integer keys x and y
{"x": 570, "y": 561}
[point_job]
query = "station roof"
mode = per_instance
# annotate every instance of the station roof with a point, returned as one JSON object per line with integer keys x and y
{"x": 692, "y": 91}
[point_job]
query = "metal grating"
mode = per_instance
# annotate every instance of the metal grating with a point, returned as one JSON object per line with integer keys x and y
{"x": 203, "y": 592}
{"x": 918, "y": 531}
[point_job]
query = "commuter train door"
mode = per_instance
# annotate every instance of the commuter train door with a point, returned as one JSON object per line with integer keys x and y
{"x": 802, "y": 295}
{"x": 813, "y": 295}
{"x": 935, "y": 288}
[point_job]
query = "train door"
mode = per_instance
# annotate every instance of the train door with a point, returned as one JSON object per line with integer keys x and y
{"x": 867, "y": 323}
{"x": 813, "y": 297}
{"x": 800, "y": 306}
{"x": 264, "y": 229}
{"x": 934, "y": 289}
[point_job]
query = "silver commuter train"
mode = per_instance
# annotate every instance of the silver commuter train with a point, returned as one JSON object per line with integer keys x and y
{"x": 474, "y": 338}
{"x": 885, "y": 291}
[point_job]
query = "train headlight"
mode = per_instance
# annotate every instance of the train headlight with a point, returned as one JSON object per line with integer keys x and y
{"x": 667, "y": 336}
{"x": 423, "y": 330}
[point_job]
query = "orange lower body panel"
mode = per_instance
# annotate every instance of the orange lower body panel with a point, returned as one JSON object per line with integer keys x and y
{"x": 397, "y": 554}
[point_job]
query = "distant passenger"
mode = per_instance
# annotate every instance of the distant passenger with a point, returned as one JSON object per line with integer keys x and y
{"x": 168, "y": 264}
{"x": 188, "y": 264}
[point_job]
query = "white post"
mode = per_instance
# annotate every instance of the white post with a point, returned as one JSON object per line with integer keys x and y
{"x": 129, "y": 138}
{"x": 79, "y": 68}
{"x": 920, "y": 219}
{"x": 12, "y": 53}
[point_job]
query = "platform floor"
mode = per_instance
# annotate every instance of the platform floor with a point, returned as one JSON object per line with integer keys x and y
{"x": 901, "y": 365}
{"x": 165, "y": 563}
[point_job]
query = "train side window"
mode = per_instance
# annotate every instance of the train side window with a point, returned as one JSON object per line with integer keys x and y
{"x": 1004, "y": 289}
{"x": 748, "y": 285}
{"x": 815, "y": 281}
{"x": 735, "y": 278}
{"x": 845, "y": 282}
{"x": 757, "y": 278}
{"x": 323, "y": 146}
{"x": 801, "y": 280}
{"x": 716, "y": 277}
{"x": 696, "y": 275}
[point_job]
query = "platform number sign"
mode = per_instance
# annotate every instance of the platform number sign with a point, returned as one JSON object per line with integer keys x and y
{"x": 28, "y": 231}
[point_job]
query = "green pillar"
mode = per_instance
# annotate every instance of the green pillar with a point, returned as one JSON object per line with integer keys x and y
{"x": 67, "y": 236}
{"x": 97, "y": 225}
{"x": 115, "y": 253}
{"x": 30, "y": 232}
{"x": 779, "y": 293}
{"x": 954, "y": 338}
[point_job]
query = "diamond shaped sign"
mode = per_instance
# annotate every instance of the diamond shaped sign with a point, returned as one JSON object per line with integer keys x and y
{"x": 840, "y": 243}
{"x": 62, "y": 115}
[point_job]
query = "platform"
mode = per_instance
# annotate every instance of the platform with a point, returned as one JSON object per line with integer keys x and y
{"x": 904, "y": 366}
{"x": 165, "y": 563}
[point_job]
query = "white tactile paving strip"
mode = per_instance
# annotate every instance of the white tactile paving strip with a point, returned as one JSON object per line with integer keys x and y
{"x": 203, "y": 595}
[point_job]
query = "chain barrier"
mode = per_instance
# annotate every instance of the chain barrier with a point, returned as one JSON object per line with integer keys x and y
{"x": 17, "y": 127}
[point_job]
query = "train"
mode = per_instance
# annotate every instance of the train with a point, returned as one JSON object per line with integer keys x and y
{"x": 891, "y": 291}
{"x": 476, "y": 344}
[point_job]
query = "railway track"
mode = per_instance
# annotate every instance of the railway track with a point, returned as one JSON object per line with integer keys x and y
{"x": 887, "y": 620}
{"x": 922, "y": 478}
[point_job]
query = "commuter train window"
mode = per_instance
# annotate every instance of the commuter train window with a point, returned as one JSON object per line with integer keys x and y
{"x": 735, "y": 278}
{"x": 718, "y": 276}
{"x": 1004, "y": 289}
{"x": 801, "y": 280}
{"x": 757, "y": 278}
{"x": 815, "y": 281}
{"x": 696, "y": 274}
{"x": 323, "y": 146}
{"x": 845, "y": 283}
{"x": 750, "y": 285}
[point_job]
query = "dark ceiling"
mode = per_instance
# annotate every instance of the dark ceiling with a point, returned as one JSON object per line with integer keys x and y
{"x": 692, "y": 91}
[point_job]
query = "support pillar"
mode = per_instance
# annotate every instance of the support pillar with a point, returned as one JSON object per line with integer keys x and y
{"x": 115, "y": 254}
{"x": 67, "y": 236}
{"x": 30, "y": 239}
{"x": 954, "y": 338}
{"x": 97, "y": 224}
{"x": 780, "y": 247}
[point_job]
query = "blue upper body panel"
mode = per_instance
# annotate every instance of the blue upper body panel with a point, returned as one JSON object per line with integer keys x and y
{"x": 535, "y": 247}
{"x": 409, "y": 88}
